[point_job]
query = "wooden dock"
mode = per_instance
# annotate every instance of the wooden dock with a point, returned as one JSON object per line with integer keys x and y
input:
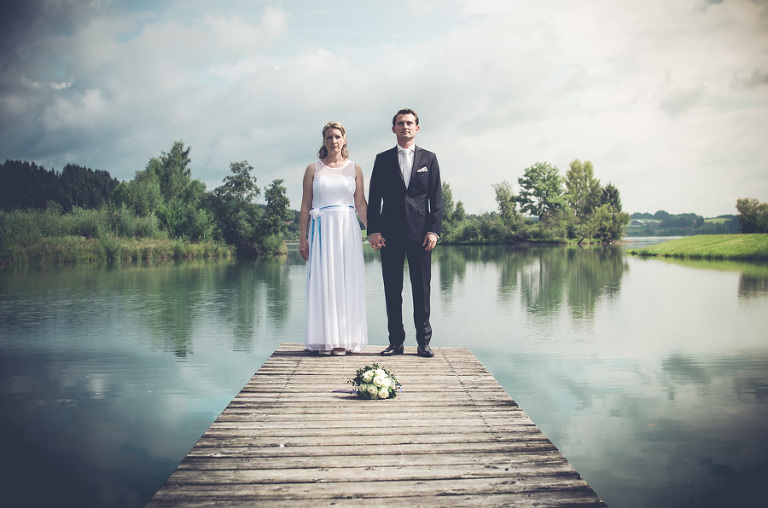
{"x": 296, "y": 436}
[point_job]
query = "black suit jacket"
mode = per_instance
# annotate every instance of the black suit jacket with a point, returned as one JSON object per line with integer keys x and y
{"x": 394, "y": 210}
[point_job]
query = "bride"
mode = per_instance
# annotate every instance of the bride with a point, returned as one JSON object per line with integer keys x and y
{"x": 331, "y": 243}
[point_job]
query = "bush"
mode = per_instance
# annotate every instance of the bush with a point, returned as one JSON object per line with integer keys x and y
{"x": 146, "y": 227}
{"x": 84, "y": 222}
{"x": 271, "y": 244}
{"x": 111, "y": 248}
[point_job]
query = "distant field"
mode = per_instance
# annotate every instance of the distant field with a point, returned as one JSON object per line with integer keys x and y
{"x": 717, "y": 220}
{"x": 735, "y": 247}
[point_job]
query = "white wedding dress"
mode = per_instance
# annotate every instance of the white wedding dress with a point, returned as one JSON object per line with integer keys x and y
{"x": 336, "y": 303}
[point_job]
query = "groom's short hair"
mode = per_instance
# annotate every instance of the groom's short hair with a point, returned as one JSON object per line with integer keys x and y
{"x": 406, "y": 111}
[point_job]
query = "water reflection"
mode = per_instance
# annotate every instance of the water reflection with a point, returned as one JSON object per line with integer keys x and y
{"x": 248, "y": 293}
{"x": 753, "y": 276}
{"x": 546, "y": 277}
{"x": 650, "y": 375}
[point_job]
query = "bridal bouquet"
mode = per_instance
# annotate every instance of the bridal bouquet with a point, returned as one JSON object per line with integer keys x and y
{"x": 375, "y": 382}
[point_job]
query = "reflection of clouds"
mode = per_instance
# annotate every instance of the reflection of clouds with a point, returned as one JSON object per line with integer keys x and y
{"x": 753, "y": 276}
{"x": 110, "y": 425}
{"x": 653, "y": 449}
{"x": 685, "y": 370}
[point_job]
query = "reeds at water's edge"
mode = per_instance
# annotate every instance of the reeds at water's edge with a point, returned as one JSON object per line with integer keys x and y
{"x": 93, "y": 236}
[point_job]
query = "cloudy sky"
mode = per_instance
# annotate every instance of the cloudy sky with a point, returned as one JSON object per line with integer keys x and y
{"x": 667, "y": 98}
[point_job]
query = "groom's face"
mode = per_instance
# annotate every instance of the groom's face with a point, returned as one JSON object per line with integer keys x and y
{"x": 405, "y": 128}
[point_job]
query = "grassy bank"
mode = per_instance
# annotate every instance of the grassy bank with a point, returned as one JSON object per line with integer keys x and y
{"x": 78, "y": 249}
{"x": 732, "y": 247}
{"x": 48, "y": 237}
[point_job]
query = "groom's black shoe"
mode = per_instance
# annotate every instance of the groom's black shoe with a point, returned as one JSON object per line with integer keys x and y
{"x": 425, "y": 351}
{"x": 393, "y": 350}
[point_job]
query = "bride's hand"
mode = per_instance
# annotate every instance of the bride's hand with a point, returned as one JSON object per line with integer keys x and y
{"x": 377, "y": 241}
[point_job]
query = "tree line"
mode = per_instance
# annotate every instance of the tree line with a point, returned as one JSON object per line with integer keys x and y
{"x": 25, "y": 185}
{"x": 663, "y": 223}
{"x": 548, "y": 207}
{"x": 162, "y": 200}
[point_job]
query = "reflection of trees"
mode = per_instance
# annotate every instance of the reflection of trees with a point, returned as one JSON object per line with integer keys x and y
{"x": 173, "y": 298}
{"x": 170, "y": 296}
{"x": 452, "y": 266}
{"x": 515, "y": 264}
{"x": 252, "y": 291}
{"x": 577, "y": 276}
{"x": 752, "y": 285}
{"x": 545, "y": 277}
{"x": 452, "y": 262}
{"x": 542, "y": 282}
{"x": 593, "y": 273}
{"x": 753, "y": 280}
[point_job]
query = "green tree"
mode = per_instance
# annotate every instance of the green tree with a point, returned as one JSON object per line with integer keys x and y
{"x": 142, "y": 195}
{"x": 276, "y": 212}
{"x": 505, "y": 200}
{"x": 459, "y": 215}
{"x": 753, "y": 215}
{"x": 448, "y": 204}
{"x": 611, "y": 196}
{"x": 583, "y": 189}
{"x": 237, "y": 215}
{"x": 180, "y": 213}
{"x": 172, "y": 171}
{"x": 541, "y": 190}
{"x": 240, "y": 186}
{"x": 606, "y": 223}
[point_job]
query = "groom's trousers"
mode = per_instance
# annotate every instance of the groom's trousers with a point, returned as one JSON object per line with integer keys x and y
{"x": 420, "y": 271}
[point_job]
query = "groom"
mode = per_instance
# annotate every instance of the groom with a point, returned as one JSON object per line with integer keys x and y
{"x": 405, "y": 213}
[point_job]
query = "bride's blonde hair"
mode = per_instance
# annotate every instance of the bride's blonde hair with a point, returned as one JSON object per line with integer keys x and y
{"x": 323, "y": 152}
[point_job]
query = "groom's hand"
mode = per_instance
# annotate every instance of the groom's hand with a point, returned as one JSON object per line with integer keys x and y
{"x": 377, "y": 241}
{"x": 429, "y": 241}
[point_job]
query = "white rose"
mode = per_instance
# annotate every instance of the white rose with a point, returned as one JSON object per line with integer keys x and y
{"x": 380, "y": 372}
{"x": 368, "y": 375}
{"x": 362, "y": 388}
{"x": 386, "y": 382}
{"x": 378, "y": 380}
{"x": 384, "y": 393}
{"x": 372, "y": 390}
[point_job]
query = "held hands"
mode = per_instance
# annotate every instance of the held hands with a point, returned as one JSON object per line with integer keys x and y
{"x": 377, "y": 241}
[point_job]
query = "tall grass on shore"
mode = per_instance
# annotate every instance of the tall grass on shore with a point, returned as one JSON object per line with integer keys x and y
{"x": 92, "y": 236}
{"x": 714, "y": 247}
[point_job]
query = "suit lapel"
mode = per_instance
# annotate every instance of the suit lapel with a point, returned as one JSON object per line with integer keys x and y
{"x": 396, "y": 165}
{"x": 416, "y": 157}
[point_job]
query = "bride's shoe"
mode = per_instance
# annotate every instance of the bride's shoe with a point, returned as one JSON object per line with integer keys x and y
{"x": 339, "y": 351}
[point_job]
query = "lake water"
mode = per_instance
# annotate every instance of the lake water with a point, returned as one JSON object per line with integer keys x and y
{"x": 650, "y": 376}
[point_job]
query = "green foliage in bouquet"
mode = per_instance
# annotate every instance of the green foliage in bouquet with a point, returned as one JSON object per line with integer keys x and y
{"x": 375, "y": 382}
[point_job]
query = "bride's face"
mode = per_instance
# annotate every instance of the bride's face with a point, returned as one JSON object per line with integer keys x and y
{"x": 334, "y": 140}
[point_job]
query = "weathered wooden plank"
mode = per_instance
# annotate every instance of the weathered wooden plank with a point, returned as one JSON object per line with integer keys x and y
{"x": 519, "y": 459}
{"x": 296, "y": 435}
{"x": 528, "y": 486}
